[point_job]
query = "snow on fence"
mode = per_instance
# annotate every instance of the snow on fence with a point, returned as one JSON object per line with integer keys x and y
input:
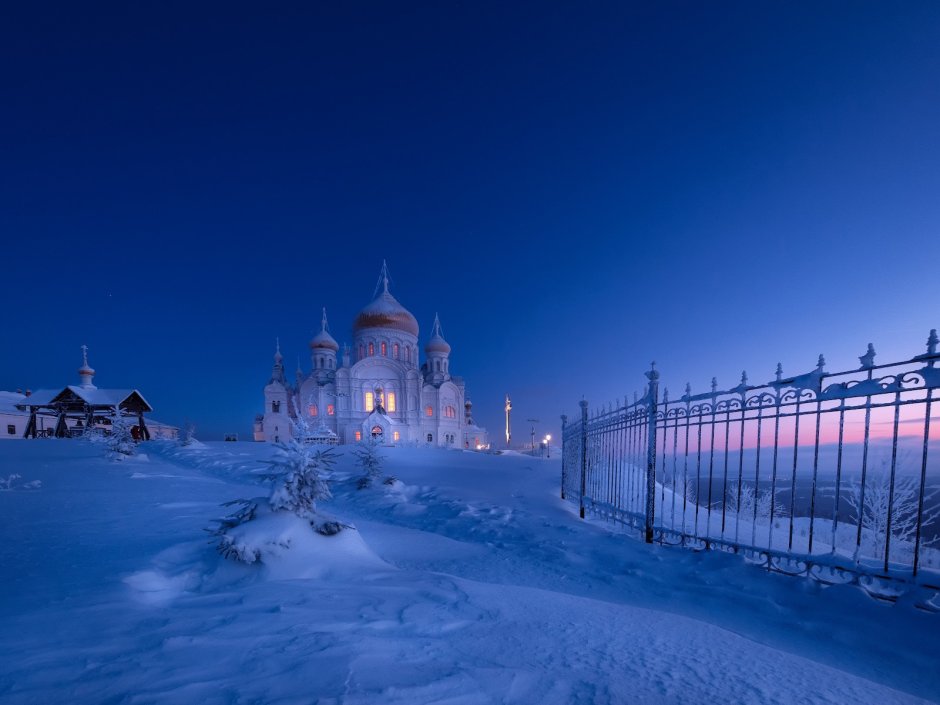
{"x": 831, "y": 475}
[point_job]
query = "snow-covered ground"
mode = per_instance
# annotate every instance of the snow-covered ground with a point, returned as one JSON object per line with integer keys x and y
{"x": 469, "y": 581}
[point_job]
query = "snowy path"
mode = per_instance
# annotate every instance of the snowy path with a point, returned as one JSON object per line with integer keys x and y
{"x": 493, "y": 593}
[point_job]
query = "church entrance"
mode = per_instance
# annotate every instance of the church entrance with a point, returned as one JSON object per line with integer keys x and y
{"x": 377, "y": 433}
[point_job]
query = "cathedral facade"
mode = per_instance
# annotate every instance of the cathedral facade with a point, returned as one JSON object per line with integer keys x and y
{"x": 379, "y": 389}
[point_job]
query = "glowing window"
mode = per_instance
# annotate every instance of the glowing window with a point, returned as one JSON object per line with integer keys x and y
{"x": 396, "y": 436}
{"x": 370, "y": 401}
{"x": 384, "y": 349}
{"x": 371, "y": 349}
{"x": 391, "y": 401}
{"x": 396, "y": 351}
{"x": 358, "y": 435}
{"x": 313, "y": 410}
{"x": 428, "y": 410}
{"x": 330, "y": 409}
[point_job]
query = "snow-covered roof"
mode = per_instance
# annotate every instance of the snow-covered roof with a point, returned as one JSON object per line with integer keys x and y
{"x": 90, "y": 395}
{"x": 8, "y": 402}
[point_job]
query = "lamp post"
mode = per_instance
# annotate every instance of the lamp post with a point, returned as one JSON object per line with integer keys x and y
{"x": 548, "y": 445}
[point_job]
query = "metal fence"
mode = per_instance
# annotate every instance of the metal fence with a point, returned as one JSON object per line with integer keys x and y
{"x": 830, "y": 475}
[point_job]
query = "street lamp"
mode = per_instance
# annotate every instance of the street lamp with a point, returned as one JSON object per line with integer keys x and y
{"x": 548, "y": 445}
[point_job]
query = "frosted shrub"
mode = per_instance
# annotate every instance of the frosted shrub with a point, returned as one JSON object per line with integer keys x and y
{"x": 187, "y": 435}
{"x": 120, "y": 443}
{"x": 12, "y": 482}
{"x": 298, "y": 476}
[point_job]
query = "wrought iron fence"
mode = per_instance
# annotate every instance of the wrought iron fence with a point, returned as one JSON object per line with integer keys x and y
{"x": 831, "y": 475}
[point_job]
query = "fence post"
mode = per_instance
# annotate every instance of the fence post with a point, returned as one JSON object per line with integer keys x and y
{"x": 653, "y": 377}
{"x": 564, "y": 424}
{"x": 584, "y": 423}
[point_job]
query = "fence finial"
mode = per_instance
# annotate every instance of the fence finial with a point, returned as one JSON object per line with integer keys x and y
{"x": 820, "y": 364}
{"x": 714, "y": 385}
{"x": 868, "y": 359}
{"x": 932, "y": 342}
{"x": 744, "y": 378}
{"x": 653, "y": 374}
{"x": 779, "y": 372}
{"x": 688, "y": 389}
{"x": 665, "y": 395}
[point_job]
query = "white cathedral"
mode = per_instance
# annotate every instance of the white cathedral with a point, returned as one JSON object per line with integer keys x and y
{"x": 386, "y": 394}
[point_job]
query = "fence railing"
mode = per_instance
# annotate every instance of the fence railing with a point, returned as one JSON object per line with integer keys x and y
{"x": 831, "y": 475}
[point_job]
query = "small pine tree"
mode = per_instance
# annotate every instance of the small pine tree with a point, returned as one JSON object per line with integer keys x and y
{"x": 298, "y": 474}
{"x": 370, "y": 461}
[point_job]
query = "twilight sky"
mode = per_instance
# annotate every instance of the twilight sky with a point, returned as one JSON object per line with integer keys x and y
{"x": 576, "y": 188}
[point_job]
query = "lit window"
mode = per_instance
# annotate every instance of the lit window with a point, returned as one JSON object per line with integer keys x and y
{"x": 313, "y": 410}
{"x": 370, "y": 401}
{"x": 330, "y": 409}
{"x": 428, "y": 410}
{"x": 391, "y": 401}
{"x": 396, "y": 351}
{"x": 371, "y": 349}
{"x": 358, "y": 435}
{"x": 397, "y": 436}
{"x": 450, "y": 412}
{"x": 384, "y": 349}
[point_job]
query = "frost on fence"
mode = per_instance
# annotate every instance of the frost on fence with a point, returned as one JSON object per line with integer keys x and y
{"x": 817, "y": 472}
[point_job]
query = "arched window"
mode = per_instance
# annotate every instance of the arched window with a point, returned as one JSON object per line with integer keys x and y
{"x": 384, "y": 349}
{"x": 429, "y": 410}
{"x": 396, "y": 351}
{"x": 332, "y": 363}
{"x": 407, "y": 354}
{"x": 396, "y": 436}
{"x": 358, "y": 436}
{"x": 275, "y": 407}
{"x": 370, "y": 401}
{"x": 330, "y": 409}
{"x": 391, "y": 402}
{"x": 313, "y": 410}
{"x": 430, "y": 437}
{"x": 362, "y": 351}
{"x": 437, "y": 365}
{"x": 371, "y": 349}
{"x": 450, "y": 412}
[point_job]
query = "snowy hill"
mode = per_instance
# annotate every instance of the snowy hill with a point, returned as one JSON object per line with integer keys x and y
{"x": 468, "y": 581}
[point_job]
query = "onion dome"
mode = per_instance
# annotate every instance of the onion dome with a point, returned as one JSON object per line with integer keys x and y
{"x": 437, "y": 344}
{"x": 85, "y": 372}
{"x": 323, "y": 340}
{"x": 386, "y": 312}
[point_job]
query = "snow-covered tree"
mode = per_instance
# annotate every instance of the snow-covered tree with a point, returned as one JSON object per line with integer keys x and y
{"x": 120, "y": 443}
{"x": 370, "y": 461}
{"x": 751, "y": 499}
{"x": 298, "y": 471}
{"x": 872, "y": 511}
{"x": 187, "y": 434}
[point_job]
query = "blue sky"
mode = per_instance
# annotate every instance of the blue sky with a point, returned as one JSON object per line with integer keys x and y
{"x": 576, "y": 188}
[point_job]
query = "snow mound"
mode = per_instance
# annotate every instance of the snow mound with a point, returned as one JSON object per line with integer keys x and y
{"x": 289, "y": 547}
